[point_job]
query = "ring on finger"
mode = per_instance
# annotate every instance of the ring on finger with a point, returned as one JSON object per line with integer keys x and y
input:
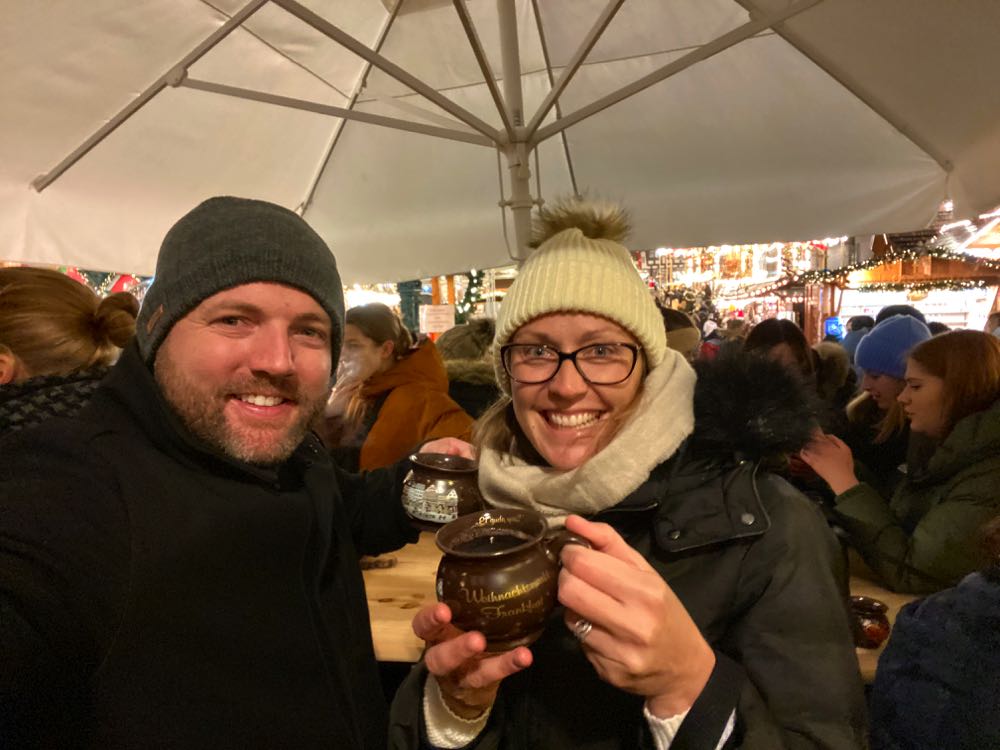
{"x": 581, "y": 629}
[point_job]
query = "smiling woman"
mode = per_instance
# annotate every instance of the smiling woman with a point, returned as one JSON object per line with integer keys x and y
{"x": 597, "y": 419}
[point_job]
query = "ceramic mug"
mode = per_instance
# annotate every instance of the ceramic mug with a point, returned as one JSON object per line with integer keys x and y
{"x": 439, "y": 488}
{"x": 499, "y": 574}
{"x": 871, "y": 624}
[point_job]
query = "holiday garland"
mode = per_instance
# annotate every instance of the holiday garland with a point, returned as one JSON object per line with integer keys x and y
{"x": 941, "y": 251}
{"x": 954, "y": 285}
{"x": 838, "y": 276}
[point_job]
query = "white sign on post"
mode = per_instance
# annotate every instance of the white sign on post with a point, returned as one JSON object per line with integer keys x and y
{"x": 436, "y": 318}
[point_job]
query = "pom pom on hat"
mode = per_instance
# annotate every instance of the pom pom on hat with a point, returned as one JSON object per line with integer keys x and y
{"x": 581, "y": 266}
{"x": 884, "y": 348}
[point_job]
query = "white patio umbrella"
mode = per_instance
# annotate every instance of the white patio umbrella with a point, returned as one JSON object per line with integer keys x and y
{"x": 397, "y": 128}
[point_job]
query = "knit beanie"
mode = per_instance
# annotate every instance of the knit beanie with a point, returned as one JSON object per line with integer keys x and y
{"x": 580, "y": 266}
{"x": 226, "y": 242}
{"x": 890, "y": 310}
{"x": 884, "y": 348}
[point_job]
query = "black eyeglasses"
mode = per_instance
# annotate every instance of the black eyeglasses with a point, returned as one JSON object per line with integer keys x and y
{"x": 598, "y": 364}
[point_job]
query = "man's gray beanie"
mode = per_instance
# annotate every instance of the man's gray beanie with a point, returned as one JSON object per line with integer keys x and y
{"x": 225, "y": 242}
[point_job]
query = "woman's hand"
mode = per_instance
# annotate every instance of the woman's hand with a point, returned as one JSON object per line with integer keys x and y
{"x": 642, "y": 640}
{"x": 340, "y": 397}
{"x": 830, "y": 457}
{"x": 468, "y": 678}
{"x": 450, "y": 446}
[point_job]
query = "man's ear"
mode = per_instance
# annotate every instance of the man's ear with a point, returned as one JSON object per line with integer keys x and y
{"x": 9, "y": 365}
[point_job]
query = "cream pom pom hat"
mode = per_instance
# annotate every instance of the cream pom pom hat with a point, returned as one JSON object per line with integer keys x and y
{"x": 581, "y": 266}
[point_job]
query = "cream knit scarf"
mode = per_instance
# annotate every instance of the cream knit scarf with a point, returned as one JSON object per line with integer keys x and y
{"x": 658, "y": 424}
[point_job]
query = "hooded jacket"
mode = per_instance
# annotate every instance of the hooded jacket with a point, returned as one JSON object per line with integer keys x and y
{"x": 472, "y": 384}
{"x": 921, "y": 540}
{"x": 155, "y": 593}
{"x": 415, "y": 408}
{"x": 754, "y": 564}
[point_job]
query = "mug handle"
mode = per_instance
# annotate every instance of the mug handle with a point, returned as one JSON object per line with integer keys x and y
{"x": 555, "y": 542}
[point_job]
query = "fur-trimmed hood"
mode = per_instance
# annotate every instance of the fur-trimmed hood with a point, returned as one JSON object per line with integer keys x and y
{"x": 475, "y": 371}
{"x": 750, "y": 407}
{"x": 834, "y": 368}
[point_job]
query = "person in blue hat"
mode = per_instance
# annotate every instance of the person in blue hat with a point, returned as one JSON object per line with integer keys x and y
{"x": 921, "y": 539}
{"x": 878, "y": 434}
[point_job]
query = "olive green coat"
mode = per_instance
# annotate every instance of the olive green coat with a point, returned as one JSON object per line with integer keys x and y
{"x": 924, "y": 538}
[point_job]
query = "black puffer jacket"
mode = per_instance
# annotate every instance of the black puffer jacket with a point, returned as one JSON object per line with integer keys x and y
{"x": 156, "y": 594}
{"x": 753, "y": 562}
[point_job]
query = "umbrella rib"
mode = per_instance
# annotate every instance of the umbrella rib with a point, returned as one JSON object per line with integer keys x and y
{"x": 389, "y": 68}
{"x": 339, "y": 130}
{"x": 328, "y": 109}
{"x": 555, "y": 101}
{"x": 548, "y": 72}
{"x": 705, "y": 51}
{"x": 484, "y": 65}
{"x": 282, "y": 53}
{"x": 574, "y": 63}
{"x": 170, "y": 78}
{"x": 878, "y": 107}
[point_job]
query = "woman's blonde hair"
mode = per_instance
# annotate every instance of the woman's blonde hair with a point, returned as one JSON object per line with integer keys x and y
{"x": 863, "y": 409}
{"x": 57, "y": 326}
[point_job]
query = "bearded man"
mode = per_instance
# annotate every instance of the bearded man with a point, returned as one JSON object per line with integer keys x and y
{"x": 178, "y": 563}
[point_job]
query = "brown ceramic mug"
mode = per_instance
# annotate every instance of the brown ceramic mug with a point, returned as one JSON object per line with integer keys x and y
{"x": 439, "y": 488}
{"x": 499, "y": 574}
{"x": 871, "y": 624}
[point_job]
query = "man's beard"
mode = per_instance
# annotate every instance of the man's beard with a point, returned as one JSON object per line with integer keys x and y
{"x": 204, "y": 414}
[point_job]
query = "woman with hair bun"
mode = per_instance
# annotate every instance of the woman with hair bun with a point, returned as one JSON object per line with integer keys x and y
{"x": 57, "y": 339}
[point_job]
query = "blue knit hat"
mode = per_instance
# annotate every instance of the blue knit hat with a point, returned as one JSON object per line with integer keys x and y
{"x": 890, "y": 310}
{"x": 885, "y": 347}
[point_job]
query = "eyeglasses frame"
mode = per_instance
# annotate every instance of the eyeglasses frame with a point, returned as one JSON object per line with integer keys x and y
{"x": 571, "y": 356}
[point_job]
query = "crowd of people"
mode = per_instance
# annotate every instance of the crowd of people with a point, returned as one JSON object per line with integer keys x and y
{"x": 187, "y": 488}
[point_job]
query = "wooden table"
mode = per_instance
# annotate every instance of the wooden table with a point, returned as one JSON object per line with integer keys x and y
{"x": 394, "y": 596}
{"x": 396, "y": 593}
{"x": 863, "y": 584}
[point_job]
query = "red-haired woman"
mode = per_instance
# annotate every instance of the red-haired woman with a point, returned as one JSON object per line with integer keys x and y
{"x": 921, "y": 539}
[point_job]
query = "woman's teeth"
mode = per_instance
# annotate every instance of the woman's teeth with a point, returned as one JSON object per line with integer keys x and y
{"x": 262, "y": 400}
{"x": 574, "y": 420}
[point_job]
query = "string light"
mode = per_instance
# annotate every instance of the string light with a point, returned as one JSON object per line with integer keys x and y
{"x": 924, "y": 250}
{"x": 953, "y": 285}
{"x": 473, "y": 295}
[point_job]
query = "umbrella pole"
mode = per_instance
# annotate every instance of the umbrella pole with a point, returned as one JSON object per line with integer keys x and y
{"x": 520, "y": 202}
{"x": 516, "y": 151}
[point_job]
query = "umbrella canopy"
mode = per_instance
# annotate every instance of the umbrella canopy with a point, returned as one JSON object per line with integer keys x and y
{"x": 396, "y": 127}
